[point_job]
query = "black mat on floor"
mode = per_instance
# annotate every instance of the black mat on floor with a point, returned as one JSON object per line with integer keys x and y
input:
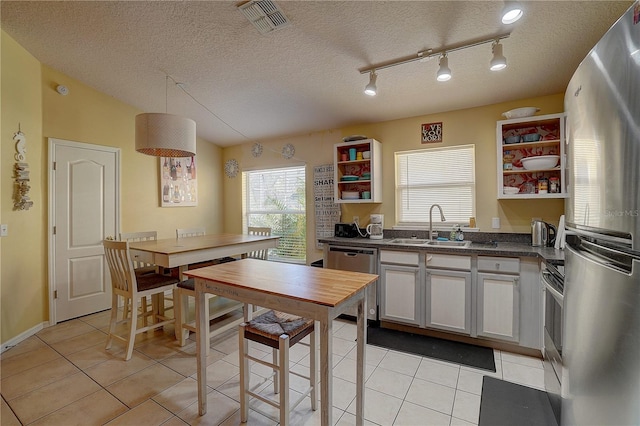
{"x": 508, "y": 404}
{"x": 432, "y": 347}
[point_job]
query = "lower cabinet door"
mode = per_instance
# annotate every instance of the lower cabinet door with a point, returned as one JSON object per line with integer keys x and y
{"x": 448, "y": 300}
{"x": 499, "y": 306}
{"x": 400, "y": 294}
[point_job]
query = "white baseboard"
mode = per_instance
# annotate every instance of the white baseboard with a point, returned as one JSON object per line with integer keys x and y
{"x": 23, "y": 336}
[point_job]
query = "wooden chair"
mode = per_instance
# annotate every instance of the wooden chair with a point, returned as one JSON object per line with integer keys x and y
{"x": 259, "y": 254}
{"x": 279, "y": 331}
{"x": 124, "y": 283}
{"x": 189, "y": 232}
{"x": 141, "y": 268}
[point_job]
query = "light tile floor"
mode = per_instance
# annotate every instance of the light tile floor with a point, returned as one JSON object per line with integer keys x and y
{"x": 64, "y": 376}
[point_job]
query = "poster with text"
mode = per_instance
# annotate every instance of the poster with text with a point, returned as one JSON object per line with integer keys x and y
{"x": 327, "y": 212}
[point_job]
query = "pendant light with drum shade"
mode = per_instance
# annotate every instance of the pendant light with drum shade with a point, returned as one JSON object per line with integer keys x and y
{"x": 165, "y": 135}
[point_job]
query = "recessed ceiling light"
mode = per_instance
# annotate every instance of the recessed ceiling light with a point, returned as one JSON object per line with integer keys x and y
{"x": 512, "y": 12}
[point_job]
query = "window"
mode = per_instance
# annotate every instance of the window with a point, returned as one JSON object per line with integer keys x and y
{"x": 275, "y": 198}
{"x": 444, "y": 176}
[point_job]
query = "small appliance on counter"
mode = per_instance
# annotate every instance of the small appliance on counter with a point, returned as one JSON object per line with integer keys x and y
{"x": 543, "y": 234}
{"x": 346, "y": 230}
{"x": 374, "y": 228}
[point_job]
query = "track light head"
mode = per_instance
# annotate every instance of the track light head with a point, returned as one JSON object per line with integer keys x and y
{"x": 498, "y": 62}
{"x": 512, "y": 12}
{"x": 371, "y": 88}
{"x": 444, "y": 73}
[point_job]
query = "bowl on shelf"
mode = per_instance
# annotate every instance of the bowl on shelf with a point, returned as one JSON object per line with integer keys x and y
{"x": 365, "y": 176}
{"x": 540, "y": 162}
{"x": 510, "y": 190}
{"x": 350, "y": 195}
{"x": 512, "y": 139}
{"x": 366, "y": 155}
{"x": 521, "y": 112}
{"x": 531, "y": 137}
{"x": 348, "y": 178}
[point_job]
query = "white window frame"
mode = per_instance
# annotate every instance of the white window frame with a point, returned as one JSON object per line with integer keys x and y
{"x": 459, "y": 157}
{"x": 275, "y": 254}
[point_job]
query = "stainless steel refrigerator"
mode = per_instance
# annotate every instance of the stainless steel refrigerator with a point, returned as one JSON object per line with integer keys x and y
{"x": 601, "y": 347}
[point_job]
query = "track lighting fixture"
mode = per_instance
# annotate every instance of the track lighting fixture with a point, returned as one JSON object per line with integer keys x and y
{"x": 512, "y": 12}
{"x": 444, "y": 73}
{"x": 499, "y": 62}
{"x": 371, "y": 88}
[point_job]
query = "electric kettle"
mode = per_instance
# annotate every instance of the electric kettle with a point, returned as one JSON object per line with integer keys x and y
{"x": 543, "y": 234}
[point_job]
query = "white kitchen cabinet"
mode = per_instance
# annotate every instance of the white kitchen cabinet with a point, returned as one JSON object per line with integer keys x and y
{"x": 511, "y": 172}
{"x": 356, "y": 179}
{"x": 498, "y": 298}
{"x": 448, "y": 300}
{"x": 448, "y": 292}
{"x": 400, "y": 287}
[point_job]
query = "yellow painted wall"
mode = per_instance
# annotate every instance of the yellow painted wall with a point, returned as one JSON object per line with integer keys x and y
{"x": 88, "y": 116}
{"x": 312, "y": 150}
{"x": 22, "y": 253}
{"x": 468, "y": 126}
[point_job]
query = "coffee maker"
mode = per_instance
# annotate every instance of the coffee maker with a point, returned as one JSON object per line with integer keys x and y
{"x": 374, "y": 228}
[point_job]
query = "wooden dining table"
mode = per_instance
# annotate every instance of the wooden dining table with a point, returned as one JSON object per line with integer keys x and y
{"x": 320, "y": 294}
{"x": 181, "y": 252}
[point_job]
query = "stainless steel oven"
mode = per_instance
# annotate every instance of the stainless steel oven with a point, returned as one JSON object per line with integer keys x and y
{"x": 552, "y": 277}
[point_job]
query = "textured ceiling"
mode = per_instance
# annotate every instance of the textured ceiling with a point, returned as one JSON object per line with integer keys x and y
{"x": 305, "y": 77}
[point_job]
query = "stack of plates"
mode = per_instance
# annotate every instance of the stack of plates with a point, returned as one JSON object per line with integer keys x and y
{"x": 350, "y": 195}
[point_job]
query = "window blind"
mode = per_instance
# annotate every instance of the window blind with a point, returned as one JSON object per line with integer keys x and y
{"x": 275, "y": 198}
{"x": 444, "y": 176}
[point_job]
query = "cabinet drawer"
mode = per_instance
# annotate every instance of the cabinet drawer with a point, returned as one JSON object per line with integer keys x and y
{"x": 400, "y": 257}
{"x": 449, "y": 261}
{"x": 507, "y": 265}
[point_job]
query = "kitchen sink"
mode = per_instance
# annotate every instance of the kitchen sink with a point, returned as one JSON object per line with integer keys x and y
{"x": 410, "y": 241}
{"x": 460, "y": 244}
{"x": 434, "y": 243}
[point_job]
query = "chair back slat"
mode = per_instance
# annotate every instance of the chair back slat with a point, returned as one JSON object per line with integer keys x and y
{"x": 263, "y": 231}
{"x": 123, "y": 277}
{"x": 139, "y": 236}
{"x": 189, "y": 232}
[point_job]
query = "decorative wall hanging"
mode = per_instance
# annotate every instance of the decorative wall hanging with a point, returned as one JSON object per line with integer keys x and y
{"x": 231, "y": 168}
{"x": 178, "y": 182}
{"x": 327, "y": 211}
{"x": 256, "y": 150}
{"x": 21, "y": 186}
{"x": 288, "y": 150}
{"x": 432, "y": 132}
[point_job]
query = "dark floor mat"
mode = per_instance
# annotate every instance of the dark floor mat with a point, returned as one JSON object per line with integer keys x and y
{"x": 508, "y": 404}
{"x": 432, "y": 347}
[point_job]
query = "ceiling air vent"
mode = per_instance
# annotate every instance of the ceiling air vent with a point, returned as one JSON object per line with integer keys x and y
{"x": 265, "y": 15}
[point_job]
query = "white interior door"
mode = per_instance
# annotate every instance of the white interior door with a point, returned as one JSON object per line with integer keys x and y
{"x": 83, "y": 211}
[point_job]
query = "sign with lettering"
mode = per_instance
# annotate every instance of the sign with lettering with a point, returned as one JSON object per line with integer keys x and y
{"x": 327, "y": 212}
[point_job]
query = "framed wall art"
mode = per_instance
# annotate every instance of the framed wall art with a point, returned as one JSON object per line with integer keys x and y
{"x": 178, "y": 182}
{"x": 432, "y": 132}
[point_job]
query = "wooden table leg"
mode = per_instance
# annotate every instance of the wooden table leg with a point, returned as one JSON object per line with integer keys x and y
{"x": 326, "y": 371}
{"x": 361, "y": 359}
{"x": 202, "y": 338}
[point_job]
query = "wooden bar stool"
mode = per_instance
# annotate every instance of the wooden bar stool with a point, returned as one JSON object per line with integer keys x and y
{"x": 279, "y": 331}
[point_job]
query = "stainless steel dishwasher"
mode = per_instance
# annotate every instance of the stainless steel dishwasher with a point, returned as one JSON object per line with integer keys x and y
{"x": 357, "y": 259}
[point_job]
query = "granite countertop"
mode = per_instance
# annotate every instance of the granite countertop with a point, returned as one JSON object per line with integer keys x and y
{"x": 482, "y": 246}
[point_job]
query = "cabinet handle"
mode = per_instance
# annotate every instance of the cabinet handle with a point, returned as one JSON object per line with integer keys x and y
{"x": 516, "y": 281}
{"x": 497, "y": 266}
{"x": 429, "y": 258}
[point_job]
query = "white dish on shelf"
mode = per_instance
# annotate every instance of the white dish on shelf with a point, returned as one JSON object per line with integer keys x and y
{"x": 540, "y": 162}
{"x": 510, "y": 190}
{"x": 353, "y": 138}
{"x": 350, "y": 195}
{"x": 521, "y": 112}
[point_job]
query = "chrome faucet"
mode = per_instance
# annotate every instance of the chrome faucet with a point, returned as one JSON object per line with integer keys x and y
{"x": 431, "y": 219}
